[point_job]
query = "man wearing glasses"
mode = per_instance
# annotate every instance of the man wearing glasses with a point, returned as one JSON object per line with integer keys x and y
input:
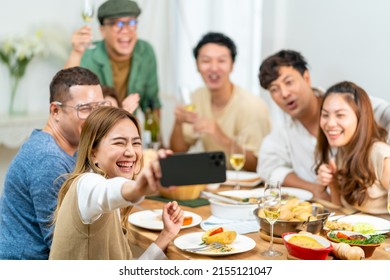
{"x": 120, "y": 60}
{"x": 37, "y": 172}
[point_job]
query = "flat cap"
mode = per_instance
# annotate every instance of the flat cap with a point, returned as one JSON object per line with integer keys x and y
{"x": 117, "y": 8}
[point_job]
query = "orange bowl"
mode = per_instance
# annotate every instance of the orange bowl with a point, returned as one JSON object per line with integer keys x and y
{"x": 367, "y": 248}
{"x": 306, "y": 253}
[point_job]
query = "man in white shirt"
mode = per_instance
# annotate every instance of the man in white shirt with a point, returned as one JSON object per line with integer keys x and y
{"x": 287, "y": 153}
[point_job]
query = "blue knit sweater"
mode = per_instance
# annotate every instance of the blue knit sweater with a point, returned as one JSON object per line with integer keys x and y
{"x": 30, "y": 196}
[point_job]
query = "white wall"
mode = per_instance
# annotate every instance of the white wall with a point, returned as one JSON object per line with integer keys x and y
{"x": 341, "y": 39}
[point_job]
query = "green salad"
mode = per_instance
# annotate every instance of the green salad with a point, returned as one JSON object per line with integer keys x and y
{"x": 370, "y": 239}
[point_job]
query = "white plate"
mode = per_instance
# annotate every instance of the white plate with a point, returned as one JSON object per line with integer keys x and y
{"x": 379, "y": 224}
{"x": 258, "y": 192}
{"x": 299, "y": 193}
{"x": 192, "y": 240}
{"x": 245, "y": 178}
{"x": 152, "y": 219}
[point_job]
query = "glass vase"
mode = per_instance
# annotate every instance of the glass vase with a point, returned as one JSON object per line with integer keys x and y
{"x": 17, "y": 103}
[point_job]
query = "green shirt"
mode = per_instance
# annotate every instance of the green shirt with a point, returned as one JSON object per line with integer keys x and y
{"x": 143, "y": 73}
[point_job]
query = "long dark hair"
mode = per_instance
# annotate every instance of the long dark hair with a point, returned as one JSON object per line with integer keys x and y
{"x": 355, "y": 172}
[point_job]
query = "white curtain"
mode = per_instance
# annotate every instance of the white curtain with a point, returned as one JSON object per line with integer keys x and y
{"x": 174, "y": 27}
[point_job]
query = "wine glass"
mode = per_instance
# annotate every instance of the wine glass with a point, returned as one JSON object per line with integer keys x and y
{"x": 271, "y": 207}
{"x": 87, "y": 12}
{"x": 237, "y": 157}
{"x": 184, "y": 98}
{"x": 387, "y": 248}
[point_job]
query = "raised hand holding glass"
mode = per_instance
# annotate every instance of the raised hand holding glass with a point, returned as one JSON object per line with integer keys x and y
{"x": 87, "y": 12}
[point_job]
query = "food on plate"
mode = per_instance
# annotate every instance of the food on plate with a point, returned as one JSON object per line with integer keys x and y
{"x": 287, "y": 197}
{"x": 305, "y": 241}
{"x": 364, "y": 228}
{"x": 336, "y": 225}
{"x": 187, "y": 220}
{"x": 220, "y": 235}
{"x": 355, "y": 238}
{"x": 295, "y": 210}
{"x": 368, "y": 243}
{"x": 344, "y": 251}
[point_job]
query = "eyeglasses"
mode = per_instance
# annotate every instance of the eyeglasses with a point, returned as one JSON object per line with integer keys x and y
{"x": 83, "y": 110}
{"x": 117, "y": 26}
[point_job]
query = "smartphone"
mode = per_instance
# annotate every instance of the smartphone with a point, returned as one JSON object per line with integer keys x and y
{"x": 193, "y": 168}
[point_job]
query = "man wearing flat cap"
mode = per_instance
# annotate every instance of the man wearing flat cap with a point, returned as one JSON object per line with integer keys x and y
{"x": 120, "y": 60}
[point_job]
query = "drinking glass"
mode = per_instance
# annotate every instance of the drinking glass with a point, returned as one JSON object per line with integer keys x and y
{"x": 271, "y": 207}
{"x": 387, "y": 248}
{"x": 237, "y": 157}
{"x": 87, "y": 12}
{"x": 184, "y": 98}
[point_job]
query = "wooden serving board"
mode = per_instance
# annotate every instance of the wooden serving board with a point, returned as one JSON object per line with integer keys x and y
{"x": 265, "y": 236}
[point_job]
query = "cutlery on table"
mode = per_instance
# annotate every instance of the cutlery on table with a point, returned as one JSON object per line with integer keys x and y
{"x": 346, "y": 215}
{"x": 221, "y": 198}
{"x": 213, "y": 245}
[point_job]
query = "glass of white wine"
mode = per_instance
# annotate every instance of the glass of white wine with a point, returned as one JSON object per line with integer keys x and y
{"x": 87, "y": 12}
{"x": 271, "y": 206}
{"x": 237, "y": 157}
{"x": 387, "y": 248}
{"x": 184, "y": 98}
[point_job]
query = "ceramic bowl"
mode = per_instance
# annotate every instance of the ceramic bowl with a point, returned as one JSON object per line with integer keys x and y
{"x": 306, "y": 253}
{"x": 367, "y": 248}
{"x": 228, "y": 211}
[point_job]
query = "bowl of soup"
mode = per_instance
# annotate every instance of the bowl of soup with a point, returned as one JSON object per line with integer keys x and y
{"x": 306, "y": 246}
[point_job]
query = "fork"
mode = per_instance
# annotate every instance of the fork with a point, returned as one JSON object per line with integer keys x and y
{"x": 350, "y": 214}
{"x": 213, "y": 245}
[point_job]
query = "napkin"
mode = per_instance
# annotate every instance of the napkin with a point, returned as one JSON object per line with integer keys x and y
{"x": 241, "y": 227}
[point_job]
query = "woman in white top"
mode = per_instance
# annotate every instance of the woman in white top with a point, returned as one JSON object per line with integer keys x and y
{"x": 353, "y": 158}
{"x": 95, "y": 201}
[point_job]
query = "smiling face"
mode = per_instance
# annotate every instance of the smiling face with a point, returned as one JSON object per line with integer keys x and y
{"x": 119, "y": 42}
{"x": 69, "y": 123}
{"x": 215, "y": 64}
{"x": 338, "y": 120}
{"x": 292, "y": 91}
{"x": 120, "y": 151}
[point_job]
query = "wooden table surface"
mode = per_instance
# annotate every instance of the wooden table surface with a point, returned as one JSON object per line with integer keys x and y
{"x": 144, "y": 237}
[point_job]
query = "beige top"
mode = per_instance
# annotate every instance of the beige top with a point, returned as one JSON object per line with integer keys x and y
{"x": 104, "y": 239}
{"x": 376, "y": 200}
{"x": 244, "y": 114}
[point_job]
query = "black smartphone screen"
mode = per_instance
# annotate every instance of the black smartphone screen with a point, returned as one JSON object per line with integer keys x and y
{"x": 193, "y": 168}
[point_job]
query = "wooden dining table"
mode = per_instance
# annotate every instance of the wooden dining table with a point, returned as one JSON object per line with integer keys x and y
{"x": 142, "y": 237}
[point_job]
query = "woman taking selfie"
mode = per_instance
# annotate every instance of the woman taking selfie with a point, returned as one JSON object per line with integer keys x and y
{"x": 352, "y": 156}
{"x": 95, "y": 201}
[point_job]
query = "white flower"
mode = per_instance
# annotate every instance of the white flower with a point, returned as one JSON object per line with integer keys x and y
{"x": 16, "y": 53}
